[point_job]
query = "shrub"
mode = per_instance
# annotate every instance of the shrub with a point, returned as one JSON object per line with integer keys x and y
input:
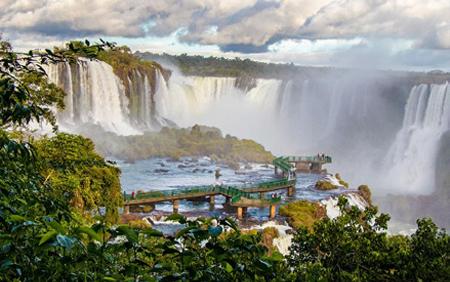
{"x": 325, "y": 185}
{"x": 365, "y": 192}
{"x": 302, "y": 213}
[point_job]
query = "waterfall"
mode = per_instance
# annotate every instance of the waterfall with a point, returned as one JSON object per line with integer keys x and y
{"x": 410, "y": 163}
{"x": 219, "y": 102}
{"x": 96, "y": 95}
{"x": 359, "y": 119}
{"x": 301, "y": 116}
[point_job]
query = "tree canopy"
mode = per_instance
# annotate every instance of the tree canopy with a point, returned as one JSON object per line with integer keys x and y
{"x": 44, "y": 235}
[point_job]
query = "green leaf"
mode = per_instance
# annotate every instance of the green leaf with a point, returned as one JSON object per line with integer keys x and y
{"x": 16, "y": 217}
{"x": 185, "y": 230}
{"x": 131, "y": 235}
{"x": 5, "y": 264}
{"x": 228, "y": 267}
{"x": 152, "y": 232}
{"x": 90, "y": 232}
{"x": 176, "y": 217}
{"x": 47, "y": 236}
{"x": 58, "y": 227}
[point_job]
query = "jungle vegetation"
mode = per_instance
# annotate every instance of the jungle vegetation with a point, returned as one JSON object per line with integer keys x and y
{"x": 43, "y": 238}
{"x": 197, "y": 141}
{"x": 219, "y": 66}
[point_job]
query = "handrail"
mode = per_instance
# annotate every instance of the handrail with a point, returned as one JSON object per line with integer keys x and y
{"x": 317, "y": 159}
{"x": 234, "y": 192}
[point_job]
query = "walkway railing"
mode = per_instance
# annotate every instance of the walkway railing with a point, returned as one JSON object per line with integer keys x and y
{"x": 235, "y": 193}
{"x": 313, "y": 159}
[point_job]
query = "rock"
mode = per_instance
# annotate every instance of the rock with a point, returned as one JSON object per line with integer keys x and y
{"x": 160, "y": 170}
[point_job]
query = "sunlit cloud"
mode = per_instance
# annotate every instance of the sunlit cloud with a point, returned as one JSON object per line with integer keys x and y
{"x": 320, "y": 32}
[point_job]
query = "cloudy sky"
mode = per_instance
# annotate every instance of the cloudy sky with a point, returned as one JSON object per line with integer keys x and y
{"x": 389, "y": 34}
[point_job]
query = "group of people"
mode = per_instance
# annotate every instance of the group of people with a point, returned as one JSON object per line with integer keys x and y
{"x": 321, "y": 157}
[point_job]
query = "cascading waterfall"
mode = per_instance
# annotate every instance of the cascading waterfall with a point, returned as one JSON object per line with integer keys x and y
{"x": 289, "y": 117}
{"x": 359, "y": 121}
{"x": 410, "y": 163}
{"x": 95, "y": 95}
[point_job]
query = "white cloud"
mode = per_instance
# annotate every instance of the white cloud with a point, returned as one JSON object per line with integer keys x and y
{"x": 318, "y": 27}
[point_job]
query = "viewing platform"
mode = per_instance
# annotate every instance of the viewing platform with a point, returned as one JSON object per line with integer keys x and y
{"x": 240, "y": 197}
{"x": 309, "y": 164}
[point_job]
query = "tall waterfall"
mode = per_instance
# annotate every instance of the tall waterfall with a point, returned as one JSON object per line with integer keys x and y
{"x": 345, "y": 118}
{"x": 411, "y": 159}
{"x": 95, "y": 95}
{"x": 379, "y": 132}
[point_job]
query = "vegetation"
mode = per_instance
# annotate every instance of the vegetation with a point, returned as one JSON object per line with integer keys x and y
{"x": 303, "y": 213}
{"x": 78, "y": 175}
{"x": 176, "y": 143}
{"x": 325, "y": 185}
{"x": 268, "y": 235}
{"x": 341, "y": 181}
{"x": 43, "y": 238}
{"x": 355, "y": 247}
{"x": 246, "y": 68}
{"x": 125, "y": 65}
{"x": 219, "y": 66}
{"x": 364, "y": 190}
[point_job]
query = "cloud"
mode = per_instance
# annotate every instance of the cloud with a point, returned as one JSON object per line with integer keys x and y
{"x": 242, "y": 26}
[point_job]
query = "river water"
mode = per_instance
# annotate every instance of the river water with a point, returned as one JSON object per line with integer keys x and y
{"x": 163, "y": 174}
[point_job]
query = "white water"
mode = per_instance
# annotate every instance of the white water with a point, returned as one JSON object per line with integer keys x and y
{"x": 354, "y": 119}
{"x": 283, "y": 241}
{"x": 331, "y": 115}
{"x": 410, "y": 163}
{"x": 331, "y": 204}
{"x": 95, "y": 95}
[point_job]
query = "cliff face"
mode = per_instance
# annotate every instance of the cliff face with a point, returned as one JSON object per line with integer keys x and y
{"x": 140, "y": 79}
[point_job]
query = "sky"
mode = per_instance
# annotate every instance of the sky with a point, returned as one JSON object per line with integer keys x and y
{"x": 383, "y": 34}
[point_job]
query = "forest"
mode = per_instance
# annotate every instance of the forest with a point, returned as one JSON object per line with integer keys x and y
{"x": 59, "y": 219}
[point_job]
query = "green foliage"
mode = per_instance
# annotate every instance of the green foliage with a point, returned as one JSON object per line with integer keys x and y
{"x": 354, "y": 247}
{"x": 41, "y": 239}
{"x": 341, "y": 181}
{"x": 79, "y": 175}
{"x": 365, "y": 192}
{"x": 176, "y": 143}
{"x": 325, "y": 185}
{"x": 302, "y": 213}
{"x": 219, "y": 66}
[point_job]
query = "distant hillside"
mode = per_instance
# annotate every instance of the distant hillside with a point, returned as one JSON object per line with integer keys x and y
{"x": 237, "y": 67}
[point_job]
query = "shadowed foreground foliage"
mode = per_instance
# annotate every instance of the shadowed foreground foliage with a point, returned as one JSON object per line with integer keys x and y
{"x": 43, "y": 238}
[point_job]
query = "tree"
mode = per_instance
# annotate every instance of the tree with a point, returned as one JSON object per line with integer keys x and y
{"x": 355, "y": 247}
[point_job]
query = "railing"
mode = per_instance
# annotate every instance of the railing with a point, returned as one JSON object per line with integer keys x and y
{"x": 283, "y": 163}
{"x": 234, "y": 192}
{"x": 315, "y": 159}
